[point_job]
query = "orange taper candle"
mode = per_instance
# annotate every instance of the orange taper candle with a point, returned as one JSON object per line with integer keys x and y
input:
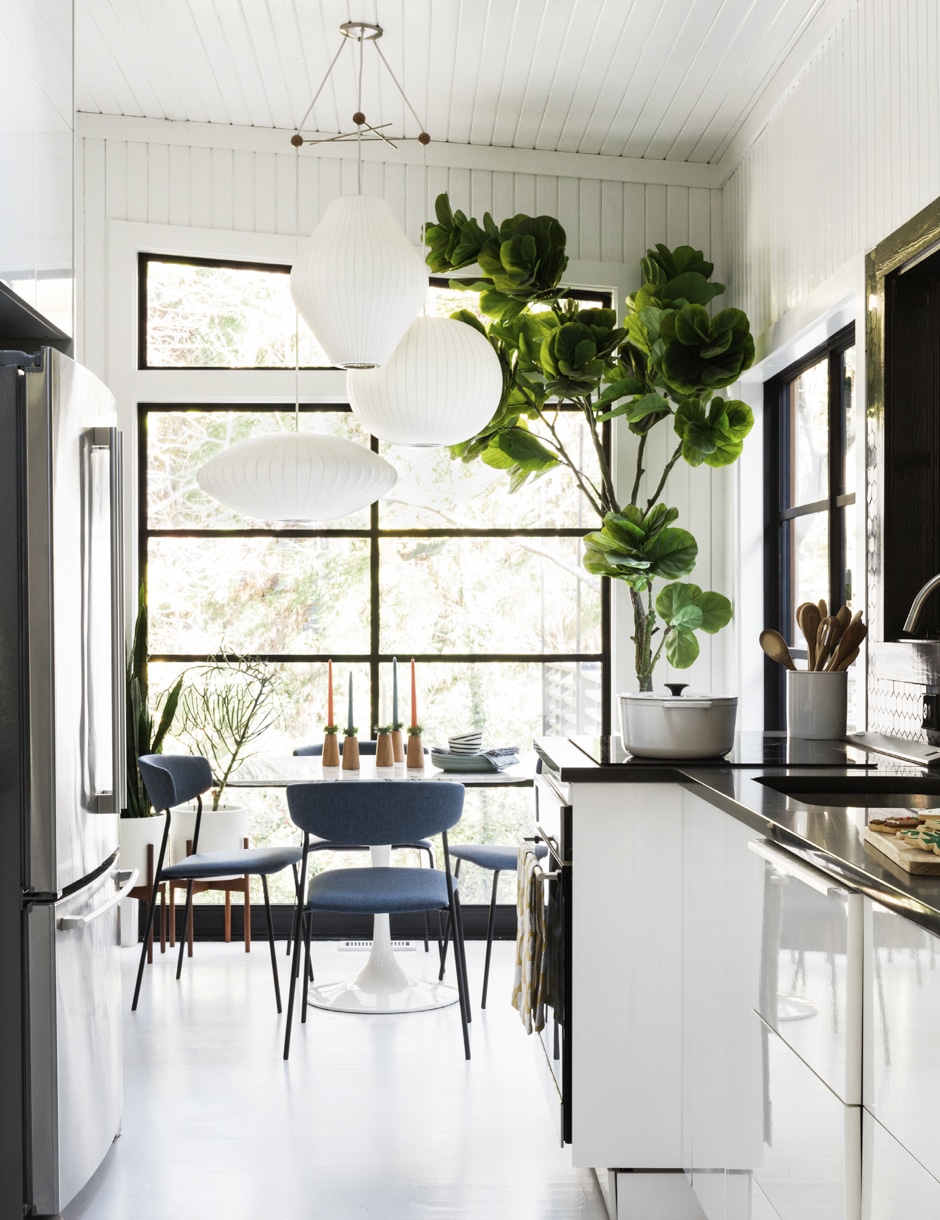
{"x": 414, "y": 697}
{"x": 329, "y": 693}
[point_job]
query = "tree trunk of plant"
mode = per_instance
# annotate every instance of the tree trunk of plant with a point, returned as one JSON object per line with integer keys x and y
{"x": 644, "y": 621}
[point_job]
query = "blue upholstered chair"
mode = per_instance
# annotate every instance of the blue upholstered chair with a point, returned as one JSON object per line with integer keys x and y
{"x": 422, "y": 845}
{"x": 373, "y": 813}
{"x": 174, "y": 779}
{"x": 501, "y": 860}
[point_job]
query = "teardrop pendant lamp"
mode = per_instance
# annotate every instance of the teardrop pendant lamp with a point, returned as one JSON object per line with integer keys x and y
{"x": 296, "y": 476}
{"x": 358, "y": 282}
{"x": 441, "y": 386}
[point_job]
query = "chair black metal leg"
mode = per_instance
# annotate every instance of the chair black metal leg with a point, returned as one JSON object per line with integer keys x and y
{"x": 308, "y": 969}
{"x": 151, "y": 910}
{"x": 291, "y": 933}
{"x": 427, "y": 914}
{"x": 267, "y": 912}
{"x": 445, "y": 935}
{"x": 294, "y": 972}
{"x": 462, "y": 995}
{"x": 460, "y": 954}
{"x": 489, "y": 937}
{"x": 186, "y": 918}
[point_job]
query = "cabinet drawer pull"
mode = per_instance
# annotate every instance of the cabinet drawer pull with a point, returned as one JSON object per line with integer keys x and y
{"x": 790, "y": 866}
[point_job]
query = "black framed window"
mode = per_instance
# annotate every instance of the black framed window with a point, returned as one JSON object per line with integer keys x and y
{"x": 810, "y": 461}
{"x": 485, "y": 589}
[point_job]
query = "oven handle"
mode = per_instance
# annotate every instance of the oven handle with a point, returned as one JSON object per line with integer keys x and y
{"x": 550, "y": 842}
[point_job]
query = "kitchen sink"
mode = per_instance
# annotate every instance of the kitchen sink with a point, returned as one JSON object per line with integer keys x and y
{"x": 846, "y": 791}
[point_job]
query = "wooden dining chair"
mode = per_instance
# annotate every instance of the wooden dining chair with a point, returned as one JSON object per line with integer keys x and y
{"x": 374, "y": 813}
{"x": 175, "y": 779}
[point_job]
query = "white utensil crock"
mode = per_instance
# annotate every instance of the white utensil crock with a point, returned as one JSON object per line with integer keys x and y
{"x": 816, "y": 703}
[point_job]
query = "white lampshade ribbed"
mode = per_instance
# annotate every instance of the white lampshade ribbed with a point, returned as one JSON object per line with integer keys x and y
{"x": 296, "y": 476}
{"x": 442, "y": 385}
{"x": 358, "y": 282}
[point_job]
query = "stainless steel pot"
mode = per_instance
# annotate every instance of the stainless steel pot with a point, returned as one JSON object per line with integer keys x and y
{"x": 677, "y": 725}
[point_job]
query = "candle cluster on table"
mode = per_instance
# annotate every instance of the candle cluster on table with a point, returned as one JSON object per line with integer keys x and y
{"x": 389, "y": 745}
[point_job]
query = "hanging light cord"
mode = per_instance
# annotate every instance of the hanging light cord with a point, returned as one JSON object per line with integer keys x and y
{"x": 296, "y": 311}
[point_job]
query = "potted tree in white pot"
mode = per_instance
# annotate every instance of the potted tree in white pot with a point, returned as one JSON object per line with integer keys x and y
{"x": 228, "y": 704}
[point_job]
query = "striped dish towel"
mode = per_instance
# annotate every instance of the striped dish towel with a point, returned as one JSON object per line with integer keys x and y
{"x": 528, "y": 982}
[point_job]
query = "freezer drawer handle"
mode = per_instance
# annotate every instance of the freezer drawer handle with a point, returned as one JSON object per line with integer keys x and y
{"x": 791, "y": 867}
{"x": 70, "y": 922}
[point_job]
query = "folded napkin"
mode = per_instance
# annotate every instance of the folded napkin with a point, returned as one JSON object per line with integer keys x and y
{"x": 501, "y": 759}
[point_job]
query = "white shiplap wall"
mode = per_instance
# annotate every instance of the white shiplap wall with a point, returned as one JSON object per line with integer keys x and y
{"x": 249, "y": 195}
{"x": 852, "y": 152}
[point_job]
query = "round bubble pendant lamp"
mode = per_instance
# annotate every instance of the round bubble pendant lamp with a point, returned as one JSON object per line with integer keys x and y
{"x": 441, "y": 386}
{"x": 296, "y": 476}
{"x": 358, "y": 282}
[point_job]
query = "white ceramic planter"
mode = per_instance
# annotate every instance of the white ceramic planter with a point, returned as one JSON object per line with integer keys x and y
{"x": 222, "y": 829}
{"x": 677, "y": 726}
{"x": 133, "y": 835}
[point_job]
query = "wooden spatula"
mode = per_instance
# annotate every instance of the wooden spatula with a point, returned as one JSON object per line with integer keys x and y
{"x": 776, "y": 648}
{"x": 809, "y": 624}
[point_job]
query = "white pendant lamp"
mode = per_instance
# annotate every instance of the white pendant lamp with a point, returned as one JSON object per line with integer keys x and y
{"x": 296, "y": 476}
{"x": 442, "y": 385}
{"x": 358, "y": 282}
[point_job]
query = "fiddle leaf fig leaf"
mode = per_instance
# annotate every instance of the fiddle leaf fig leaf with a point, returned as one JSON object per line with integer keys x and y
{"x": 716, "y": 611}
{"x": 681, "y": 648}
{"x": 672, "y": 553}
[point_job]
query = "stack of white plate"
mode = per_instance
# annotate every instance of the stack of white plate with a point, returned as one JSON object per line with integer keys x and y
{"x": 465, "y": 743}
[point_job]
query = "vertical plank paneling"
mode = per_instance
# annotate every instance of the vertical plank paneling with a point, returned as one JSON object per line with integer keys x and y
{"x": 92, "y": 285}
{"x": 222, "y": 193}
{"x": 158, "y": 184}
{"x": 546, "y": 195}
{"x": 200, "y": 178}
{"x": 136, "y": 181}
{"x": 612, "y": 222}
{"x": 243, "y": 191}
{"x": 677, "y": 215}
{"x": 568, "y": 203}
{"x": 179, "y": 187}
{"x": 589, "y": 221}
{"x": 524, "y": 193}
{"x": 265, "y": 184}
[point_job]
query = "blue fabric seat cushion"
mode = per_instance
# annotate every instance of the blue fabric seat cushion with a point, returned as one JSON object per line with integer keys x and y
{"x": 378, "y": 891}
{"x": 255, "y": 862}
{"x": 492, "y": 856}
{"x": 332, "y": 845}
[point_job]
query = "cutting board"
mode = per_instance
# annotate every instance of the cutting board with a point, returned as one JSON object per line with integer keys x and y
{"x": 911, "y": 859}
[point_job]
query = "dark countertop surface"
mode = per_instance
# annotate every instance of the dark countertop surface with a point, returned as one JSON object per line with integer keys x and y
{"x": 817, "y": 823}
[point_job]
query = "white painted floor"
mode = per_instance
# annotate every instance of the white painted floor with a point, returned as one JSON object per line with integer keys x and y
{"x": 371, "y": 1116}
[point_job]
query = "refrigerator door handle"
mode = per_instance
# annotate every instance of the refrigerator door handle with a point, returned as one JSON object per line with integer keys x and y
{"x": 70, "y": 923}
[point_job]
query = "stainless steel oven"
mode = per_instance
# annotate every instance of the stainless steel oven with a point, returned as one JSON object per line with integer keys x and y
{"x": 553, "y": 827}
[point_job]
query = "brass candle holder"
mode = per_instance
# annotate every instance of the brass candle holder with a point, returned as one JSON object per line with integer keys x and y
{"x": 398, "y": 749}
{"x": 351, "y": 752}
{"x": 384, "y": 752}
{"x": 330, "y": 756}
{"x": 414, "y": 758}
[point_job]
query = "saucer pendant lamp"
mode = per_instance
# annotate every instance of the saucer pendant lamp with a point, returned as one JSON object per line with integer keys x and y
{"x": 441, "y": 386}
{"x": 296, "y": 476}
{"x": 358, "y": 282}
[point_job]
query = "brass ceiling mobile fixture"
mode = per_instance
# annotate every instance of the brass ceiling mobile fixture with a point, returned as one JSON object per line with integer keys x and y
{"x": 358, "y": 282}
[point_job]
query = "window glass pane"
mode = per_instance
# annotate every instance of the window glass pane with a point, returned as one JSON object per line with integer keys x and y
{"x": 509, "y": 595}
{"x": 809, "y": 435}
{"x": 809, "y": 558}
{"x": 848, "y": 408}
{"x": 264, "y": 594}
{"x": 204, "y": 316}
{"x": 850, "y": 574}
{"x": 435, "y": 492}
{"x": 180, "y": 441}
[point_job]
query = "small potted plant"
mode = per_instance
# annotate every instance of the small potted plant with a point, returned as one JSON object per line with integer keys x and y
{"x": 149, "y": 720}
{"x": 228, "y": 704}
{"x": 384, "y": 753}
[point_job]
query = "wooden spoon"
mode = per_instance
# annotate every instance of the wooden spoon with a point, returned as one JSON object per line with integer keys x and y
{"x": 776, "y": 648}
{"x": 826, "y": 639}
{"x": 847, "y": 661}
{"x": 845, "y": 617}
{"x": 809, "y": 625}
{"x": 850, "y": 642}
{"x": 823, "y": 609}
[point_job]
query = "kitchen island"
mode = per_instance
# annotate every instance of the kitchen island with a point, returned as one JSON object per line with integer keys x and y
{"x": 728, "y": 925}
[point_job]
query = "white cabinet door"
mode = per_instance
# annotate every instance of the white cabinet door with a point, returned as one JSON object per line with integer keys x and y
{"x": 902, "y": 1017}
{"x": 811, "y": 968}
{"x": 812, "y": 1141}
{"x": 894, "y": 1185}
{"x": 626, "y": 1033}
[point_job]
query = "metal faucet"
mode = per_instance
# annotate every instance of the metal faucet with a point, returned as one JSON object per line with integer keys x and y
{"x": 917, "y": 605}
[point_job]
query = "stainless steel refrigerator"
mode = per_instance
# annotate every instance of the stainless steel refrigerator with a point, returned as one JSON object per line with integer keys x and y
{"x": 61, "y": 777}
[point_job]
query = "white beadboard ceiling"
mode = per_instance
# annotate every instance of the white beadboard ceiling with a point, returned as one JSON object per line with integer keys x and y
{"x": 664, "y": 80}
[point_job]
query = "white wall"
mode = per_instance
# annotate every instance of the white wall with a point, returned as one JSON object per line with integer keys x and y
{"x": 36, "y": 154}
{"x": 851, "y": 153}
{"x": 189, "y": 192}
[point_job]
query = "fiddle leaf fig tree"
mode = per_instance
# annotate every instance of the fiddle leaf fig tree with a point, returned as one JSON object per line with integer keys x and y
{"x": 664, "y": 366}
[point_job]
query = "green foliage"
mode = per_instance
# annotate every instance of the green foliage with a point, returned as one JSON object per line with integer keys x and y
{"x": 142, "y": 737}
{"x": 226, "y": 707}
{"x": 667, "y": 361}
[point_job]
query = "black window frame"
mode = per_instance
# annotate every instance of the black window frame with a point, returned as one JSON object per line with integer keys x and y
{"x": 779, "y": 606}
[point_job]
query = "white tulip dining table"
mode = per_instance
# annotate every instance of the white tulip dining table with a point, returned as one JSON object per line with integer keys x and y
{"x": 381, "y": 986}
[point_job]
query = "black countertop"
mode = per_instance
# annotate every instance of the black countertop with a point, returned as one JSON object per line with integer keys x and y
{"x": 827, "y": 834}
